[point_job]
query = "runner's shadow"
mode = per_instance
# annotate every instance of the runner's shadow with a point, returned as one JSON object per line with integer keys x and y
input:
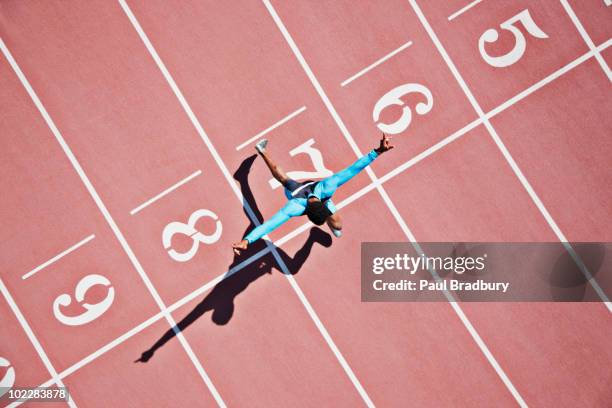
{"x": 220, "y": 300}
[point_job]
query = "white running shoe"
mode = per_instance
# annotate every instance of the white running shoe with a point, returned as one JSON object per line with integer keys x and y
{"x": 336, "y": 232}
{"x": 261, "y": 145}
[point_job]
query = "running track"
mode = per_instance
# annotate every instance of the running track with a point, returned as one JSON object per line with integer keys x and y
{"x": 120, "y": 118}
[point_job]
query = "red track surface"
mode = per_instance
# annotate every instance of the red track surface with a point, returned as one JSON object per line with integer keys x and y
{"x": 516, "y": 153}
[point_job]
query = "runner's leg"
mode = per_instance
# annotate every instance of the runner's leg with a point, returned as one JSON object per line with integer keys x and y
{"x": 275, "y": 169}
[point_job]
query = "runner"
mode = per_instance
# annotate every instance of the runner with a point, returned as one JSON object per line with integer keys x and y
{"x": 310, "y": 198}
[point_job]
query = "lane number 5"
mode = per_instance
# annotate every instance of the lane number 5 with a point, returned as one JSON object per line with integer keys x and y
{"x": 520, "y": 44}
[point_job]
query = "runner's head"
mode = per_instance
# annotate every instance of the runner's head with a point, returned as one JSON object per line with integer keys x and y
{"x": 316, "y": 211}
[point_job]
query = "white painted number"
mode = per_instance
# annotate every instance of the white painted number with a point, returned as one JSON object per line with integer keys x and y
{"x": 188, "y": 229}
{"x": 7, "y": 382}
{"x": 93, "y": 311}
{"x": 608, "y": 2}
{"x": 393, "y": 97}
{"x": 317, "y": 161}
{"x": 491, "y": 35}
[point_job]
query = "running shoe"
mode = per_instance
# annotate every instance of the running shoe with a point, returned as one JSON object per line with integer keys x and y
{"x": 261, "y": 145}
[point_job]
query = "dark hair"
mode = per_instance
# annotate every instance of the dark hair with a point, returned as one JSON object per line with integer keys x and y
{"x": 316, "y": 212}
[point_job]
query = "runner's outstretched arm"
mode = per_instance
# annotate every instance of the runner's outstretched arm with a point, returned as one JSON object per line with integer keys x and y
{"x": 331, "y": 184}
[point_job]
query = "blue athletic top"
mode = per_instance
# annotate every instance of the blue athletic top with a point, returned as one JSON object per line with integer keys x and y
{"x": 323, "y": 190}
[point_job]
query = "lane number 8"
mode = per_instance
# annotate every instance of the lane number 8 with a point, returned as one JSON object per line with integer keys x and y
{"x": 189, "y": 229}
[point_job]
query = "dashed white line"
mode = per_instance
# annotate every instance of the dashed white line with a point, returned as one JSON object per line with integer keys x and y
{"x": 166, "y": 192}
{"x": 58, "y": 256}
{"x": 375, "y": 64}
{"x": 463, "y": 10}
{"x": 271, "y": 128}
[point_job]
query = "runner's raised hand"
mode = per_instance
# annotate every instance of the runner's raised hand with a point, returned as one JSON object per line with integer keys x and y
{"x": 385, "y": 144}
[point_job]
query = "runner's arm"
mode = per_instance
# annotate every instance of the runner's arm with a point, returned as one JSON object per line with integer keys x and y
{"x": 331, "y": 184}
{"x": 334, "y": 181}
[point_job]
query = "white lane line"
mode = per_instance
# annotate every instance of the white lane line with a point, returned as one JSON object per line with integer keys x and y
{"x": 384, "y": 194}
{"x": 540, "y": 84}
{"x": 362, "y": 392}
{"x": 558, "y": 73}
{"x": 198, "y": 126}
{"x": 587, "y": 39}
{"x": 271, "y": 128}
{"x": 32, "y": 337}
{"x": 58, "y": 256}
{"x": 513, "y": 165}
{"x": 605, "y": 45}
{"x": 281, "y": 241}
{"x": 296, "y": 232}
{"x": 166, "y": 192}
{"x": 111, "y": 345}
{"x": 374, "y": 185}
{"x": 175, "y": 306}
{"x": 463, "y": 10}
{"x": 109, "y": 219}
{"x": 375, "y": 64}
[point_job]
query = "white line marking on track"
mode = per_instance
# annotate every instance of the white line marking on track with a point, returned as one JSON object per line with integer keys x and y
{"x": 384, "y": 194}
{"x": 538, "y": 85}
{"x": 304, "y": 227}
{"x": 502, "y": 147}
{"x": 198, "y": 126}
{"x": 166, "y": 192}
{"x": 109, "y": 219}
{"x": 463, "y": 10}
{"x": 375, "y": 64}
{"x": 587, "y": 39}
{"x": 382, "y": 191}
{"x": 58, "y": 256}
{"x": 339, "y": 356}
{"x": 271, "y": 128}
{"x": 28, "y": 330}
{"x": 175, "y": 306}
{"x": 196, "y": 123}
{"x": 286, "y": 238}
